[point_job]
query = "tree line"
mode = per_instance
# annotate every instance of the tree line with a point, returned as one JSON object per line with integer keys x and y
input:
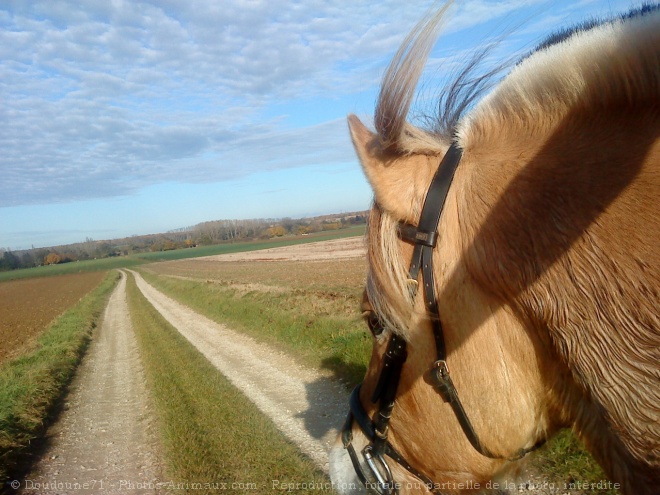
{"x": 202, "y": 234}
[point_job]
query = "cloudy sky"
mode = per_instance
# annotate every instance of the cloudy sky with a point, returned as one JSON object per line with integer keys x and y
{"x": 124, "y": 117}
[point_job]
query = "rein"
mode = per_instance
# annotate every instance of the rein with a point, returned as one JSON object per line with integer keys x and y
{"x": 378, "y": 478}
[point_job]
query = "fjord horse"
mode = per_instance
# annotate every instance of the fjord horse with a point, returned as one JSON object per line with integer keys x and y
{"x": 540, "y": 283}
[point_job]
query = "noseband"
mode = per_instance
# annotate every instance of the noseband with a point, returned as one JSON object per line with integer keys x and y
{"x": 378, "y": 477}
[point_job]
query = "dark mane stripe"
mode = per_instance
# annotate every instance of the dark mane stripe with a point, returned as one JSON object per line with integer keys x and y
{"x": 566, "y": 33}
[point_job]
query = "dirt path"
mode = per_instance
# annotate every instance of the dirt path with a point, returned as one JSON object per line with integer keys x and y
{"x": 306, "y": 405}
{"x": 103, "y": 440}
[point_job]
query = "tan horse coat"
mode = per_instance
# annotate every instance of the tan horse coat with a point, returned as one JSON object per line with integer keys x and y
{"x": 548, "y": 264}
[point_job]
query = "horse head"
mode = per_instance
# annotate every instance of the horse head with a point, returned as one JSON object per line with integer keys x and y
{"x": 513, "y": 273}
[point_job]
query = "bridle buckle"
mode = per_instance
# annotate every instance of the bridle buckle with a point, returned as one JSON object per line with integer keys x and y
{"x": 442, "y": 380}
{"x": 384, "y": 482}
{"x": 440, "y": 366}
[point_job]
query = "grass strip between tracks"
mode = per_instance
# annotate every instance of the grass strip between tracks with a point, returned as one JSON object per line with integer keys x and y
{"x": 214, "y": 437}
{"x": 31, "y": 385}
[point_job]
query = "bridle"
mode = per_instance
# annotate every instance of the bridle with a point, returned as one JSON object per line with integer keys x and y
{"x": 378, "y": 477}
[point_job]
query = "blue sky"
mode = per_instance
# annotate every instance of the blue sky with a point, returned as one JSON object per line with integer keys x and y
{"x": 122, "y": 117}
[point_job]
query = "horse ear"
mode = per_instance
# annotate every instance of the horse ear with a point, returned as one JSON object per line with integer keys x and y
{"x": 366, "y": 143}
{"x": 398, "y": 180}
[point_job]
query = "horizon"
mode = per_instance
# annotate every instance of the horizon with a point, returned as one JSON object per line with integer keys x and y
{"x": 129, "y": 118}
{"x": 186, "y": 229}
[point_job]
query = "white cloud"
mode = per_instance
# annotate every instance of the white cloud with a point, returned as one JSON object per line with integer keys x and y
{"x": 100, "y": 98}
{"x": 106, "y": 97}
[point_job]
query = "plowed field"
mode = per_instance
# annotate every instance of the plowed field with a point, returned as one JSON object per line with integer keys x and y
{"x": 325, "y": 265}
{"x": 27, "y": 306}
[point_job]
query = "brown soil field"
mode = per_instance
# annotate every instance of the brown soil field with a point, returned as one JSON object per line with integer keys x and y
{"x": 28, "y": 306}
{"x": 328, "y": 265}
{"x": 345, "y": 248}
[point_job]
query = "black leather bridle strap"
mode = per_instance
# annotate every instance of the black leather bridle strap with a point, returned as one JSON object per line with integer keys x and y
{"x": 425, "y": 234}
{"x": 424, "y": 237}
{"x": 395, "y": 355}
{"x": 385, "y": 391}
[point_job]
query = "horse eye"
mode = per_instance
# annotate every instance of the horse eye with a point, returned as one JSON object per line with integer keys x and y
{"x": 373, "y": 322}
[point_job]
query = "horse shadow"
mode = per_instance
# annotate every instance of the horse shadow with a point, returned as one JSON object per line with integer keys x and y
{"x": 328, "y": 397}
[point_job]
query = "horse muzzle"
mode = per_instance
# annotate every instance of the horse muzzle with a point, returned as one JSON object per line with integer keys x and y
{"x": 372, "y": 469}
{"x": 370, "y": 465}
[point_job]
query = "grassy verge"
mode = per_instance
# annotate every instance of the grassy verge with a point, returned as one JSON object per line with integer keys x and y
{"x": 310, "y": 325}
{"x": 31, "y": 385}
{"x": 215, "y": 439}
{"x": 565, "y": 459}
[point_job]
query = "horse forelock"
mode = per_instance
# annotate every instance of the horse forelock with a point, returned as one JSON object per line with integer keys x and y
{"x": 388, "y": 275}
{"x": 399, "y": 85}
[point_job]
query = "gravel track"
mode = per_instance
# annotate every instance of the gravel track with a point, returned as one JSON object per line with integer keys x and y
{"x": 302, "y": 402}
{"x": 104, "y": 438}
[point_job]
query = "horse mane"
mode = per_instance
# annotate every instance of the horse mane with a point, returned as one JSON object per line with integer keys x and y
{"x": 400, "y": 82}
{"x": 564, "y": 34}
{"x": 593, "y": 65}
{"x": 525, "y": 89}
